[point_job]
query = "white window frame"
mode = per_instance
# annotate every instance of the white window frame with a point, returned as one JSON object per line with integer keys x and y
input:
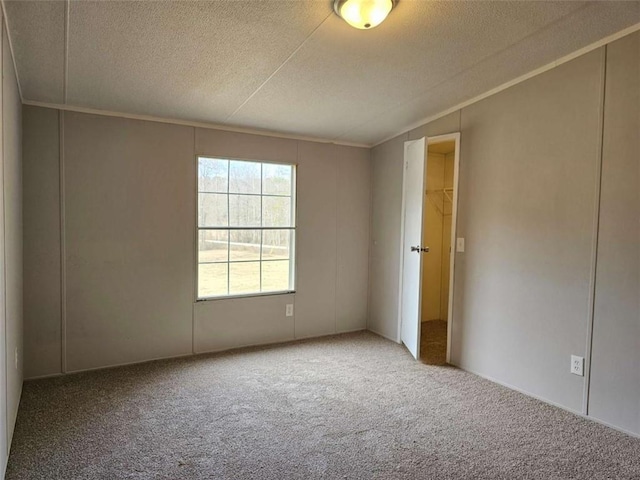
{"x": 292, "y": 246}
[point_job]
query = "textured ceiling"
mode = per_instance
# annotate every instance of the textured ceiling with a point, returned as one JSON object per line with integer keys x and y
{"x": 292, "y": 66}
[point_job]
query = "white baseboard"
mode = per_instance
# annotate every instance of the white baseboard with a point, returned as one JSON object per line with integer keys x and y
{"x": 547, "y": 401}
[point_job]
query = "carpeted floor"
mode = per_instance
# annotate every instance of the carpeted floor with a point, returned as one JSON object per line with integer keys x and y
{"x": 433, "y": 342}
{"x": 353, "y": 406}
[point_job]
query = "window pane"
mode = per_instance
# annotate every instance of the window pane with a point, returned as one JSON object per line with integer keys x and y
{"x": 212, "y": 279}
{"x": 244, "y": 211}
{"x": 276, "y": 244}
{"x": 244, "y": 177}
{"x": 212, "y": 210}
{"x": 213, "y": 246}
{"x": 244, "y": 278}
{"x": 275, "y": 276}
{"x": 276, "y": 211}
{"x": 276, "y": 179}
{"x": 213, "y": 175}
{"x": 237, "y": 200}
{"x": 245, "y": 245}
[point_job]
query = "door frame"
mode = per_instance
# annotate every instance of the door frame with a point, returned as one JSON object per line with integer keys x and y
{"x": 455, "y": 137}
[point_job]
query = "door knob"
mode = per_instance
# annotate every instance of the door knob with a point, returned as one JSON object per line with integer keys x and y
{"x": 425, "y": 249}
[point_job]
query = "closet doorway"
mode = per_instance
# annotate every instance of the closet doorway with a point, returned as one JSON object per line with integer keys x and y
{"x": 437, "y": 235}
{"x": 429, "y": 201}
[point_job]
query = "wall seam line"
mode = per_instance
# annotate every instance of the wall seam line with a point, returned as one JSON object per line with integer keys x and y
{"x": 196, "y": 245}
{"x": 4, "y": 266}
{"x": 63, "y": 249}
{"x": 335, "y": 284}
{"x": 65, "y": 70}
{"x": 63, "y": 261}
{"x": 370, "y": 241}
{"x": 296, "y": 250}
{"x": 595, "y": 235}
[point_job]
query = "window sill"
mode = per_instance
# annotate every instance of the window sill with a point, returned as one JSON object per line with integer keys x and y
{"x": 247, "y": 295}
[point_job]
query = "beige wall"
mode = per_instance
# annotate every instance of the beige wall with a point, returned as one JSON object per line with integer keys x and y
{"x": 129, "y": 207}
{"x": 129, "y": 243}
{"x": 42, "y": 304}
{"x": 11, "y": 354}
{"x": 615, "y": 375}
{"x": 4, "y": 357}
{"x": 528, "y": 208}
{"x": 384, "y": 261}
{"x": 12, "y": 159}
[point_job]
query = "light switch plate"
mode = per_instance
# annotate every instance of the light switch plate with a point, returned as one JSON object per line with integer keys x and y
{"x": 289, "y": 310}
{"x": 460, "y": 244}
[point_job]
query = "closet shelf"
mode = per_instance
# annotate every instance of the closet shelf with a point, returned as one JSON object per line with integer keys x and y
{"x": 447, "y": 195}
{"x": 446, "y": 192}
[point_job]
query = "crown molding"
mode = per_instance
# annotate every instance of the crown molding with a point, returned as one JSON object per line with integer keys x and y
{"x": 188, "y": 123}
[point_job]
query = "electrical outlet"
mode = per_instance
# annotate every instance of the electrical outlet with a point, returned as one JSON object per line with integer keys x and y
{"x": 460, "y": 244}
{"x": 577, "y": 365}
{"x": 289, "y": 310}
{"x": 16, "y": 358}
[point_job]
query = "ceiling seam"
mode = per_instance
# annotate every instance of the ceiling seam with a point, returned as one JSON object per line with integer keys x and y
{"x": 474, "y": 65}
{"x": 278, "y": 69}
{"x": 13, "y": 56}
{"x": 65, "y": 71}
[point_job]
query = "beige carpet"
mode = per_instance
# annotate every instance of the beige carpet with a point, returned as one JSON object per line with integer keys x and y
{"x": 433, "y": 342}
{"x": 354, "y": 406}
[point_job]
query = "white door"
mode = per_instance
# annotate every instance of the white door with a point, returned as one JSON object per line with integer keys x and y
{"x": 415, "y": 155}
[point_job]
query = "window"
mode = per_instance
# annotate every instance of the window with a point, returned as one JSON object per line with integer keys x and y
{"x": 246, "y": 227}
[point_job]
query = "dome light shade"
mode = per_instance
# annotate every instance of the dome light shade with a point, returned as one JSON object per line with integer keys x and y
{"x": 363, "y": 14}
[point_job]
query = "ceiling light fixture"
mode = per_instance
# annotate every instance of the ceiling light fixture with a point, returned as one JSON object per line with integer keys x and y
{"x": 363, "y": 14}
